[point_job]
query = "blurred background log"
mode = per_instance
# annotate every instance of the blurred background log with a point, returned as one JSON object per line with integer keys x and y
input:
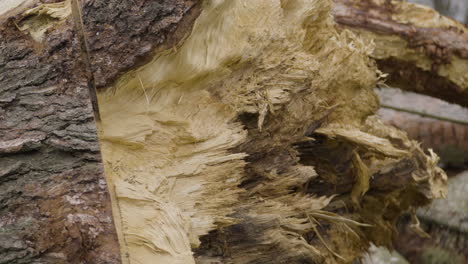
{"x": 448, "y": 139}
{"x": 420, "y": 50}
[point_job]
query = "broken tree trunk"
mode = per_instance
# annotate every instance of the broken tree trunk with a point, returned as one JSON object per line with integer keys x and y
{"x": 231, "y": 132}
{"x": 419, "y": 49}
{"x": 55, "y": 205}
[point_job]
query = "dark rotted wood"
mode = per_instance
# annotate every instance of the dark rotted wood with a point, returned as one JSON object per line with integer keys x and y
{"x": 54, "y": 202}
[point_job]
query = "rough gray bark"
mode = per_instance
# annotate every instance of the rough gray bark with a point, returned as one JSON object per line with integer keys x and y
{"x": 55, "y": 206}
{"x": 54, "y": 202}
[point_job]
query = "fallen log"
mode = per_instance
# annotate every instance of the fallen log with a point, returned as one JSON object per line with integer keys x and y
{"x": 230, "y": 132}
{"x": 420, "y": 50}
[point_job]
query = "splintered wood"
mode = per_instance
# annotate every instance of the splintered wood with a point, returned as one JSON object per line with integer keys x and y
{"x": 205, "y": 148}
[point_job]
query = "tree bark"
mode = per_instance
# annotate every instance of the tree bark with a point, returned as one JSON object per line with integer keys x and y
{"x": 55, "y": 204}
{"x": 232, "y": 132}
{"x": 419, "y": 49}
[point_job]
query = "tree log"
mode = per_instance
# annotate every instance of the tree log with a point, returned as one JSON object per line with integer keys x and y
{"x": 231, "y": 132}
{"x": 55, "y": 204}
{"x": 419, "y": 49}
